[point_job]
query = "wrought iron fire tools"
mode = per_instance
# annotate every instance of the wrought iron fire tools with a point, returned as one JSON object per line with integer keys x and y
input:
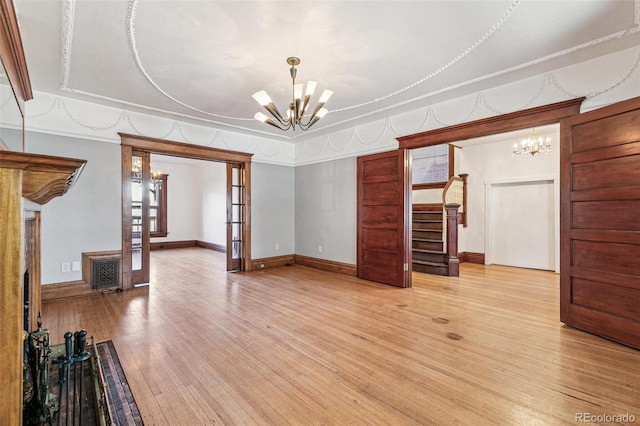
{"x": 73, "y": 359}
{"x": 39, "y": 404}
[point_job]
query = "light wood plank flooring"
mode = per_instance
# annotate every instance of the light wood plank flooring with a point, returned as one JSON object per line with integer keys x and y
{"x": 295, "y": 345}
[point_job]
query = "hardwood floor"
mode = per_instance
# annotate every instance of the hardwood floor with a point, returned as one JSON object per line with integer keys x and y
{"x": 295, "y": 345}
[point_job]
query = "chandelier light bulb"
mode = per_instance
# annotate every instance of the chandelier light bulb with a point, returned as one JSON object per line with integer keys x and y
{"x": 262, "y": 98}
{"x": 322, "y": 112}
{"x": 311, "y": 86}
{"x": 325, "y": 96}
{"x": 261, "y": 117}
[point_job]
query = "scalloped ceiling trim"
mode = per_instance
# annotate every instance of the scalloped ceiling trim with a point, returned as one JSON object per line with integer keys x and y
{"x": 343, "y": 146}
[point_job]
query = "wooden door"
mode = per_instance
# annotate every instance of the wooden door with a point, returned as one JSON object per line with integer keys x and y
{"x": 140, "y": 230}
{"x": 600, "y": 226}
{"x": 383, "y": 218}
{"x": 235, "y": 216}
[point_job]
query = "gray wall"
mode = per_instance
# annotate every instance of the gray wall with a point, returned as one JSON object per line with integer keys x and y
{"x": 325, "y": 201}
{"x": 296, "y": 208}
{"x": 88, "y": 217}
{"x": 273, "y": 210}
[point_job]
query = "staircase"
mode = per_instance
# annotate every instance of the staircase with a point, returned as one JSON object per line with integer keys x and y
{"x": 428, "y": 246}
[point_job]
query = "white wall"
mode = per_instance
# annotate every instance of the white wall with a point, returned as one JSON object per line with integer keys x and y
{"x": 494, "y": 163}
{"x": 184, "y": 206}
{"x": 273, "y": 210}
{"x": 88, "y": 217}
{"x": 326, "y": 210}
{"x": 213, "y": 200}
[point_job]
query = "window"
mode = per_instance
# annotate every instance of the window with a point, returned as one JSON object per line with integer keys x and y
{"x": 158, "y": 205}
{"x": 430, "y": 166}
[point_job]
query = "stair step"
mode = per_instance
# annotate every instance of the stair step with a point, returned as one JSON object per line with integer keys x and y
{"x": 427, "y": 244}
{"x": 435, "y": 256}
{"x": 426, "y": 216}
{"x": 429, "y": 234}
{"x": 428, "y": 251}
{"x": 434, "y": 268}
{"x": 427, "y": 225}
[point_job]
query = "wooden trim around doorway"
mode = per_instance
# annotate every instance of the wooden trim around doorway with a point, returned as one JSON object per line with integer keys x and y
{"x": 539, "y": 116}
{"x": 132, "y": 143}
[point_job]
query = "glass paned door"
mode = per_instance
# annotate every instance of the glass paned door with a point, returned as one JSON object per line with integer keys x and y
{"x": 140, "y": 180}
{"x": 235, "y": 216}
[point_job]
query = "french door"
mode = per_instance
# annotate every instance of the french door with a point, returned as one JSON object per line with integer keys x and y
{"x": 236, "y": 212}
{"x": 140, "y": 230}
{"x": 600, "y": 231}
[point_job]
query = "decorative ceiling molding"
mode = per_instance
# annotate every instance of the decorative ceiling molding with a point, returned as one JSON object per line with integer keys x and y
{"x": 131, "y": 33}
{"x": 132, "y": 42}
{"x": 603, "y": 80}
{"x": 68, "y": 15}
{"x": 68, "y": 18}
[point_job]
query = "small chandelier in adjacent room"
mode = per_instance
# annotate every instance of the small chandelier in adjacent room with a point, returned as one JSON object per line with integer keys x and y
{"x": 532, "y": 145}
{"x": 297, "y": 107}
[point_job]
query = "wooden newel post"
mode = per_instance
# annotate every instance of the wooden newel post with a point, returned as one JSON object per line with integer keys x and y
{"x": 452, "y": 239}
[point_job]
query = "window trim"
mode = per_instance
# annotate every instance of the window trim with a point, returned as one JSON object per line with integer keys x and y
{"x": 161, "y": 209}
{"x": 437, "y": 185}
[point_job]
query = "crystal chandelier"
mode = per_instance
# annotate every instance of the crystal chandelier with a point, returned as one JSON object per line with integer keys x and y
{"x": 297, "y": 107}
{"x": 532, "y": 145}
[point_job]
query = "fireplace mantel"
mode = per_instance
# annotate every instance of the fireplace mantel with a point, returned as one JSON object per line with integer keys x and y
{"x": 44, "y": 177}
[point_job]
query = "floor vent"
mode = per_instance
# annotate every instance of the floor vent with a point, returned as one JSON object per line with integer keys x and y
{"x": 106, "y": 273}
{"x": 102, "y": 269}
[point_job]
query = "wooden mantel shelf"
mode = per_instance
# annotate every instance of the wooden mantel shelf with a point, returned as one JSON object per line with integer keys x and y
{"x": 44, "y": 177}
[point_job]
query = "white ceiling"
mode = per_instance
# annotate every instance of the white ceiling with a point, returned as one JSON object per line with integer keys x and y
{"x": 202, "y": 60}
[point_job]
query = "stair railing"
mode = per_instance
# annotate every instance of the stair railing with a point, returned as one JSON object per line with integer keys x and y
{"x": 455, "y": 192}
{"x": 454, "y": 203}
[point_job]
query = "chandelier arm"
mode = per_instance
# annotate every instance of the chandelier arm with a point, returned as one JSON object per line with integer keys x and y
{"x": 304, "y": 105}
{"x": 274, "y": 112}
{"x": 277, "y": 125}
{"x": 310, "y": 123}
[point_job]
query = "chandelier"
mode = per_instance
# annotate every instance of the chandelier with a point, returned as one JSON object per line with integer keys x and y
{"x": 297, "y": 107}
{"x": 532, "y": 145}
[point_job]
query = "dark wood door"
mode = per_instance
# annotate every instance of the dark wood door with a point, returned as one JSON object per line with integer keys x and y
{"x": 600, "y": 225}
{"x": 383, "y": 218}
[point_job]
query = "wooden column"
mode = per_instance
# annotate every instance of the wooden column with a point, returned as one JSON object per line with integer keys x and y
{"x": 452, "y": 239}
{"x": 11, "y": 294}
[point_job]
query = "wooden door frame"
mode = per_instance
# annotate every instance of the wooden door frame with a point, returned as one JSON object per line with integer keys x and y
{"x": 130, "y": 143}
{"x": 532, "y": 117}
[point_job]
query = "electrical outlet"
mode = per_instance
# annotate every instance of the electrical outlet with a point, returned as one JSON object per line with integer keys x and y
{"x": 277, "y": 246}
{"x": 319, "y": 249}
{"x": 75, "y": 266}
{"x": 65, "y": 267}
